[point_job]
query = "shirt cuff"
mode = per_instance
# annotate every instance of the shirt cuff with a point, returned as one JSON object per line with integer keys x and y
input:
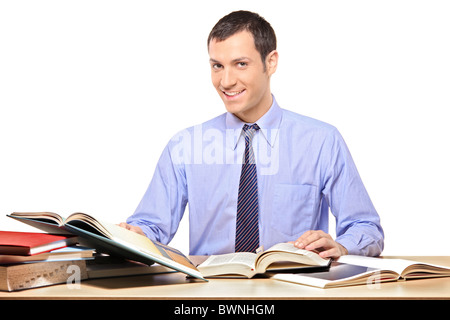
{"x": 364, "y": 247}
{"x": 349, "y": 244}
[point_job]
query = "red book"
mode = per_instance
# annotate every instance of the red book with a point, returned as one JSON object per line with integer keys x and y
{"x": 30, "y": 243}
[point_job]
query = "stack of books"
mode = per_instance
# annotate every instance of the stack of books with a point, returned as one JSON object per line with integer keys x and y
{"x": 118, "y": 252}
{"x": 31, "y": 259}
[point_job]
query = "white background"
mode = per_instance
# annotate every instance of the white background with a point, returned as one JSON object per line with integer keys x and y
{"x": 91, "y": 91}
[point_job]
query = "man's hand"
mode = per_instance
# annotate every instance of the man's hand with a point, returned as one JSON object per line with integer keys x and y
{"x": 132, "y": 228}
{"x": 321, "y": 241}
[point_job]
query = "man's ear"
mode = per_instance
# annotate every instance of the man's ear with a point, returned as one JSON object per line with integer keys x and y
{"x": 272, "y": 62}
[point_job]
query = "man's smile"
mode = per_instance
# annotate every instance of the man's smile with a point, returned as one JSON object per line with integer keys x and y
{"x": 233, "y": 94}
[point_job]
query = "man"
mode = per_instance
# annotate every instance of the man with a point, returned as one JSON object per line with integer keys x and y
{"x": 258, "y": 174}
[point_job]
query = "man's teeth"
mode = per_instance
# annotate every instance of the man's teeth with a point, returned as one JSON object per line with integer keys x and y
{"x": 231, "y": 94}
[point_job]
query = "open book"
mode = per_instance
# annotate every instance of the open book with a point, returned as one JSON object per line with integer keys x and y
{"x": 359, "y": 270}
{"x": 281, "y": 256}
{"x": 110, "y": 238}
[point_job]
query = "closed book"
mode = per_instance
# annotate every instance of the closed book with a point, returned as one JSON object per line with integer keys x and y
{"x": 30, "y": 243}
{"x": 61, "y": 254}
{"x": 39, "y": 274}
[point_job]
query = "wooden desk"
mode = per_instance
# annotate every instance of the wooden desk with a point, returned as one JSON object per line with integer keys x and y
{"x": 176, "y": 286}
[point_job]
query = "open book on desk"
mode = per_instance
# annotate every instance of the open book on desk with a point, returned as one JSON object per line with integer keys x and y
{"x": 281, "y": 256}
{"x": 359, "y": 270}
{"x": 110, "y": 238}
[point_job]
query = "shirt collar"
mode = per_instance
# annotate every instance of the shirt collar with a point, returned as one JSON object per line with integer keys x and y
{"x": 269, "y": 124}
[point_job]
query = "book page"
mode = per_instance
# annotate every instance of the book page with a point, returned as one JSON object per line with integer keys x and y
{"x": 397, "y": 265}
{"x": 312, "y": 256}
{"x": 285, "y": 246}
{"x": 116, "y": 233}
{"x": 47, "y": 216}
{"x": 338, "y": 275}
{"x": 131, "y": 238}
{"x": 146, "y": 245}
{"x": 289, "y": 247}
{"x": 246, "y": 258}
{"x": 99, "y": 227}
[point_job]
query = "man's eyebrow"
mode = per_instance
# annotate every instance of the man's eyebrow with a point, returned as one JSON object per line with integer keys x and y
{"x": 241, "y": 58}
{"x": 233, "y": 61}
{"x": 213, "y": 60}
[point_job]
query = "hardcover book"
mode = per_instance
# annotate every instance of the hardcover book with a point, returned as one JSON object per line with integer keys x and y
{"x": 30, "y": 243}
{"x": 110, "y": 238}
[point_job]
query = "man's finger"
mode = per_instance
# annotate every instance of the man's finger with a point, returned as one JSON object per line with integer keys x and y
{"x": 306, "y": 238}
{"x": 331, "y": 253}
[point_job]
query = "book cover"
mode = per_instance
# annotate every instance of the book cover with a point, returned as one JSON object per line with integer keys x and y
{"x": 31, "y": 243}
{"x": 66, "y": 253}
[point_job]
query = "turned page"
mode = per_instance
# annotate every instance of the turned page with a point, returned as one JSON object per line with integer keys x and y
{"x": 246, "y": 258}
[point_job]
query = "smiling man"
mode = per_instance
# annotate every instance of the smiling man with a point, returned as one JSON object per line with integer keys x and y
{"x": 241, "y": 75}
{"x": 258, "y": 174}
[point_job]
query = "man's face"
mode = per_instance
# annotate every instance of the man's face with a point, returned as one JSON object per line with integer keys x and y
{"x": 239, "y": 76}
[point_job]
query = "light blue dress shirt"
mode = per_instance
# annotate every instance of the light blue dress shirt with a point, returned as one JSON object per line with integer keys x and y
{"x": 304, "y": 169}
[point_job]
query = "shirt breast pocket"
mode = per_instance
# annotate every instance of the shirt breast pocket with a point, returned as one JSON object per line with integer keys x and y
{"x": 293, "y": 208}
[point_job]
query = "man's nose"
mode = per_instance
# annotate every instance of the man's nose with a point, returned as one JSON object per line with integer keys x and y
{"x": 228, "y": 80}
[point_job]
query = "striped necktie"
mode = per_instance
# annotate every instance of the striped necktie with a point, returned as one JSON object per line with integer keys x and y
{"x": 247, "y": 230}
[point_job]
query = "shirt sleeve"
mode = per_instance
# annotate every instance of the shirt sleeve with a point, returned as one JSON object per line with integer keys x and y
{"x": 358, "y": 226}
{"x": 163, "y": 204}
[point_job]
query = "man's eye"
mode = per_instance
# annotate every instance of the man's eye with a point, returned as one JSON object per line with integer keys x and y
{"x": 242, "y": 64}
{"x": 216, "y": 66}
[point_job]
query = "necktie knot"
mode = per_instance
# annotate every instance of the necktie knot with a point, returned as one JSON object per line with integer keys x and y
{"x": 251, "y": 128}
{"x": 248, "y": 131}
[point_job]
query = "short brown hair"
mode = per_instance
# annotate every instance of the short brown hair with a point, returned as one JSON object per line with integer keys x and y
{"x": 237, "y": 21}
